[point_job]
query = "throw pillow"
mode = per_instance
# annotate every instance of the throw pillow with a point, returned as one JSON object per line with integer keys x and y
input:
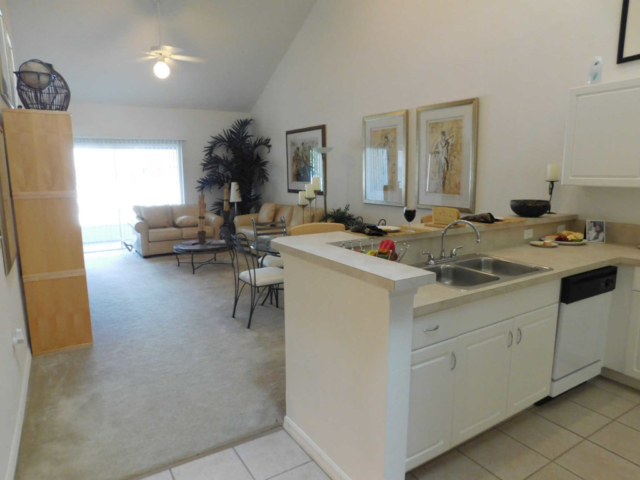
{"x": 157, "y": 217}
{"x": 267, "y": 212}
{"x": 187, "y": 221}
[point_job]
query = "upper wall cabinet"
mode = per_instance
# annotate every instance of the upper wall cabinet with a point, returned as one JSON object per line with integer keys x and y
{"x": 602, "y": 139}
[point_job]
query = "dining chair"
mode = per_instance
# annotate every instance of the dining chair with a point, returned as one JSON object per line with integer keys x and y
{"x": 247, "y": 271}
{"x": 310, "y": 228}
{"x": 265, "y": 232}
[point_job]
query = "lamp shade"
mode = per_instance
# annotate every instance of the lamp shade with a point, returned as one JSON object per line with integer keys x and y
{"x": 235, "y": 192}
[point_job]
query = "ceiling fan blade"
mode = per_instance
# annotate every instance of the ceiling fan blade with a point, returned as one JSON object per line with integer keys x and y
{"x": 166, "y": 49}
{"x": 145, "y": 58}
{"x": 186, "y": 58}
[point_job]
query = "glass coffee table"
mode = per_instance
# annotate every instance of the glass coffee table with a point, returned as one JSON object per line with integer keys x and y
{"x": 211, "y": 247}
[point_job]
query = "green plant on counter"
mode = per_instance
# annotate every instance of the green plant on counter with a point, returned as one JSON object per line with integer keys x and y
{"x": 341, "y": 215}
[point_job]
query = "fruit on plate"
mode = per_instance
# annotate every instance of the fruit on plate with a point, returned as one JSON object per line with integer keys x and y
{"x": 566, "y": 236}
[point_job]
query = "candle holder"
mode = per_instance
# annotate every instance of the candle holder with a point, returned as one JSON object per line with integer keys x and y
{"x": 303, "y": 207}
{"x": 309, "y": 200}
{"x": 551, "y": 185}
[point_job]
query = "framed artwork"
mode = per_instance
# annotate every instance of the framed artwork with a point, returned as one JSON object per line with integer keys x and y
{"x": 302, "y": 161}
{"x": 6, "y": 84}
{"x": 447, "y": 144}
{"x": 629, "y": 42}
{"x": 7, "y": 223}
{"x": 385, "y": 158}
{"x": 595, "y": 231}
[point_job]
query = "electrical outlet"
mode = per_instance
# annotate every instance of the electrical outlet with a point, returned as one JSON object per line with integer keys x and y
{"x": 528, "y": 233}
{"x": 561, "y": 228}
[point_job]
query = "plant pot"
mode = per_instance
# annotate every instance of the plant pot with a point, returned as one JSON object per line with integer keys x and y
{"x": 202, "y": 237}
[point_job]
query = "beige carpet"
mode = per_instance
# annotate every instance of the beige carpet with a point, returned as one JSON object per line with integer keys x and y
{"x": 171, "y": 374}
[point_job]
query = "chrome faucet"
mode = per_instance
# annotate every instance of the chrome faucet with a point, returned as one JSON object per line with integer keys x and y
{"x": 454, "y": 253}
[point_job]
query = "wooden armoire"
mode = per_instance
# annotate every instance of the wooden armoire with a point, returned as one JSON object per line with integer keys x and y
{"x": 43, "y": 186}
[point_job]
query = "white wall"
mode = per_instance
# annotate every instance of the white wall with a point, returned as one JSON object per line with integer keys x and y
{"x": 14, "y": 361}
{"x": 354, "y": 58}
{"x": 193, "y": 126}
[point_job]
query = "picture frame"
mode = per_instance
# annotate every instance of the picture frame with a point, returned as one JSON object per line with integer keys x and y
{"x": 6, "y": 83}
{"x": 595, "y": 231}
{"x": 8, "y": 237}
{"x": 447, "y": 145}
{"x": 629, "y": 39}
{"x": 384, "y": 163}
{"x": 302, "y": 162}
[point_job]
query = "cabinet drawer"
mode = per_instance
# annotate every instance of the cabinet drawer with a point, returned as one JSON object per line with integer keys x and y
{"x": 440, "y": 326}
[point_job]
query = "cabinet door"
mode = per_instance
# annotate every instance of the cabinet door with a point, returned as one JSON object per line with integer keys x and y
{"x": 632, "y": 354}
{"x": 431, "y": 402}
{"x": 481, "y": 383}
{"x": 532, "y": 357}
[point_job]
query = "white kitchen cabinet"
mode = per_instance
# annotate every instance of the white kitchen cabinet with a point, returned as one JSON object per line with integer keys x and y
{"x": 601, "y": 145}
{"x": 431, "y": 402}
{"x": 632, "y": 354}
{"x": 482, "y": 380}
{"x": 531, "y": 358}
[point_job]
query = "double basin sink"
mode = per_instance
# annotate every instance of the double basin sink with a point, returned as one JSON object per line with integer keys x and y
{"x": 480, "y": 270}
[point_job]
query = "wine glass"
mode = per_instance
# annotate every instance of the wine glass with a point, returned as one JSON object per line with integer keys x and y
{"x": 409, "y": 214}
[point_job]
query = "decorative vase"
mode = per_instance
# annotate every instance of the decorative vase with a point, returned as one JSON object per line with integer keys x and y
{"x": 201, "y": 237}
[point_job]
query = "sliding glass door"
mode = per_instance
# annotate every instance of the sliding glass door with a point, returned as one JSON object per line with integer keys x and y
{"x": 114, "y": 175}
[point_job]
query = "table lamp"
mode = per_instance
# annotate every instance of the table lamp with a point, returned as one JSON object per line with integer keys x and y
{"x": 235, "y": 196}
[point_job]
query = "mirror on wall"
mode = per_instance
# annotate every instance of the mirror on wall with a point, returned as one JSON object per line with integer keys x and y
{"x": 7, "y": 224}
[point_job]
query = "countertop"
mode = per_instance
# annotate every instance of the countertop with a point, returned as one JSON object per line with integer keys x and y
{"x": 564, "y": 260}
{"x": 392, "y": 276}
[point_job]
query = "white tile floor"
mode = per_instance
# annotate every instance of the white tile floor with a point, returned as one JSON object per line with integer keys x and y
{"x": 591, "y": 433}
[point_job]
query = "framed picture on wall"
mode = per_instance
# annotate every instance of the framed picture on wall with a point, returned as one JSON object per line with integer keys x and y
{"x": 303, "y": 162}
{"x": 447, "y": 139}
{"x": 7, "y": 223}
{"x": 385, "y": 158}
{"x": 6, "y": 82}
{"x": 629, "y": 41}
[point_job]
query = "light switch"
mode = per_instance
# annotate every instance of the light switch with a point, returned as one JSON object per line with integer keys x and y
{"x": 561, "y": 228}
{"x": 528, "y": 233}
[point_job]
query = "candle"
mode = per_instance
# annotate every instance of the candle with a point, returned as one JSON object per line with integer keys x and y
{"x": 315, "y": 181}
{"x": 554, "y": 171}
{"x": 309, "y": 190}
{"x": 301, "y": 199}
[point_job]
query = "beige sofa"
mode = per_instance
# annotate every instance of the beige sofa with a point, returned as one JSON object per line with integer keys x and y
{"x": 273, "y": 211}
{"x": 159, "y": 228}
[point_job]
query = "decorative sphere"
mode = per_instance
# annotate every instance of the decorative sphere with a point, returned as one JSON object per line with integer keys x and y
{"x": 35, "y": 74}
{"x": 161, "y": 69}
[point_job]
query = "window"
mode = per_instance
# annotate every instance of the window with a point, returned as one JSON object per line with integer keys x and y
{"x": 114, "y": 175}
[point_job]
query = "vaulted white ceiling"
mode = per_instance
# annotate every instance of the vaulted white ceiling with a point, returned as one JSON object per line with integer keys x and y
{"x": 94, "y": 44}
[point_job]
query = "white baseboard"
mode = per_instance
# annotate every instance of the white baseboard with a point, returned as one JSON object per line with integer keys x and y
{"x": 17, "y": 435}
{"x": 322, "y": 459}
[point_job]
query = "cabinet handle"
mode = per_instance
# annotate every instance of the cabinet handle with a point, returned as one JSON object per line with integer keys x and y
{"x": 519, "y": 336}
{"x": 431, "y": 329}
{"x": 455, "y": 360}
{"x": 510, "y": 339}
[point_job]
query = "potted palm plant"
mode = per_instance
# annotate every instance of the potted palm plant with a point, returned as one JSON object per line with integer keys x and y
{"x": 236, "y": 155}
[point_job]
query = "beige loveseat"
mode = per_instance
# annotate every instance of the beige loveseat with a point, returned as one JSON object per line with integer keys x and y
{"x": 273, "y": 211}
{"x": 159, "y": 228}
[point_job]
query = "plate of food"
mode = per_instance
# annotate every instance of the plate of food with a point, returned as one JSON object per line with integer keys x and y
{"x": 566, "y": 238}
{"x": 390, "y": 228}
{"x": 544, "y": 244}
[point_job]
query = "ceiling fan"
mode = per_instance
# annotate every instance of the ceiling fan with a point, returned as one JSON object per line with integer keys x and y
{"x": 164, "y": 54}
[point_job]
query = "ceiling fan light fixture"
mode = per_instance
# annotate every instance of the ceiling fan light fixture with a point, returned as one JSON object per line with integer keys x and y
{"x": 161, "y": 69}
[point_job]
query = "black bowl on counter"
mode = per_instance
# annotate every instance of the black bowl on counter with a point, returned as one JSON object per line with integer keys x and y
{"x": 530, "y": 208}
